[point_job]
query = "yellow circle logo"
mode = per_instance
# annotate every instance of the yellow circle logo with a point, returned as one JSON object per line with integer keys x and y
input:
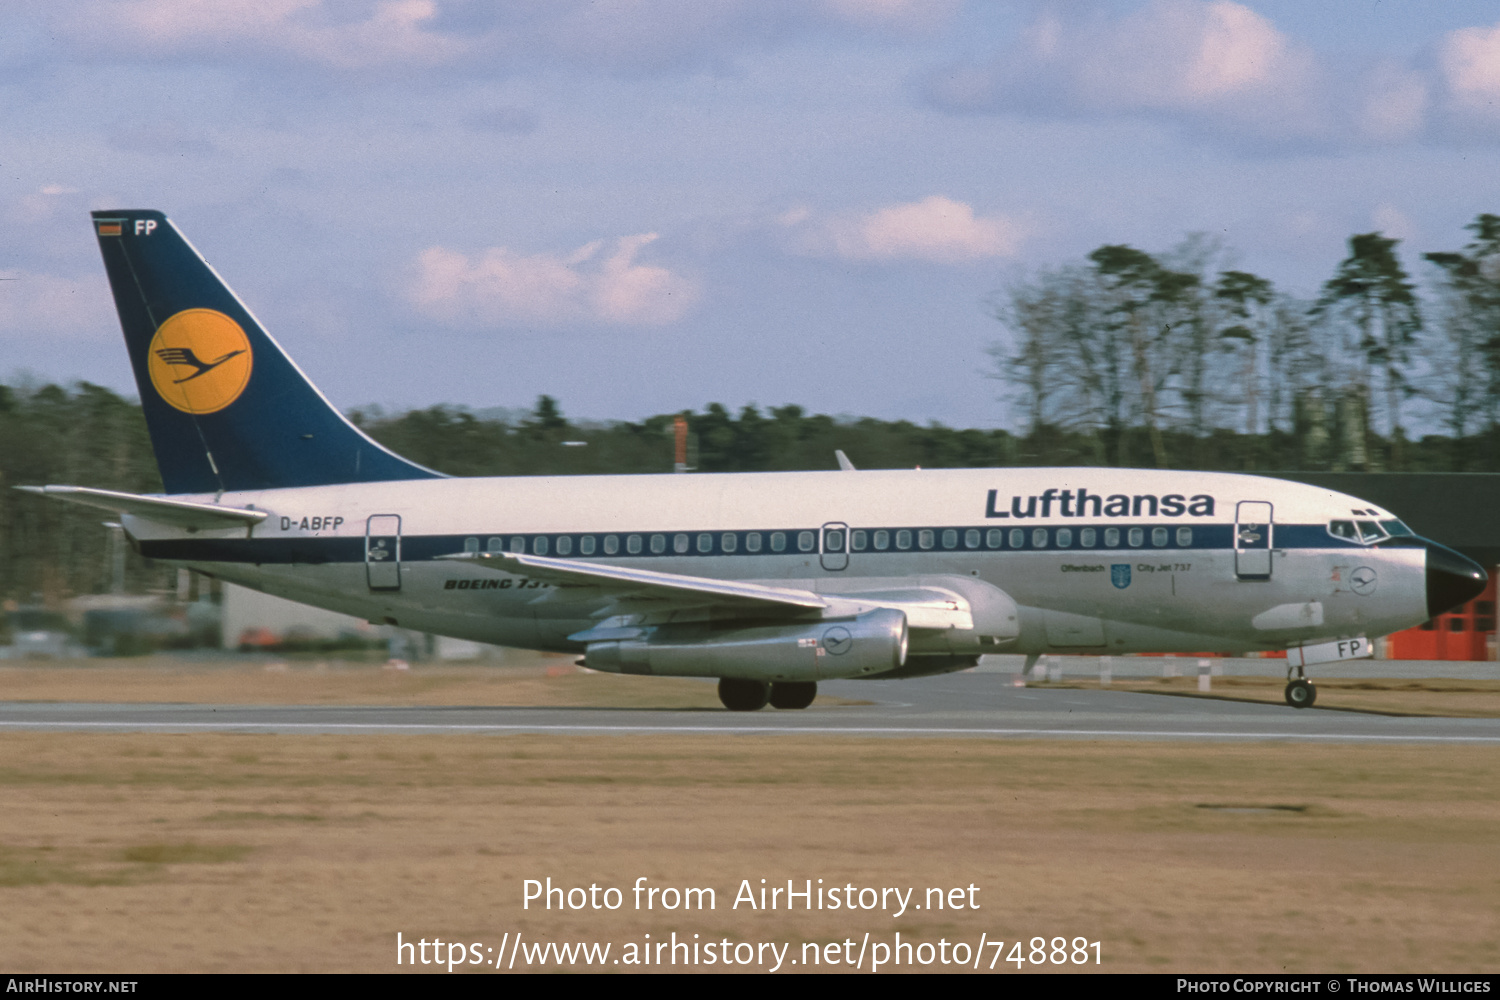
{"x": 200, "y": 361}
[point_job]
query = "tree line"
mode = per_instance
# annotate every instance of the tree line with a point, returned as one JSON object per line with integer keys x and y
{"x": 1149, "y": 359}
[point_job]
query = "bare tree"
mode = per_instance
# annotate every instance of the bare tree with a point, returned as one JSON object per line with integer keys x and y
{"x": 1370, "y": 291}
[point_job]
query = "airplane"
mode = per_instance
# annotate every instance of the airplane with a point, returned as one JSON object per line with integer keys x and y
{"x": 769, "y": 582}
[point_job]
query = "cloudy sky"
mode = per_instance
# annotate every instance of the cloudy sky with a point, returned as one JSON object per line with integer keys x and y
{"x": 640, "y": 206}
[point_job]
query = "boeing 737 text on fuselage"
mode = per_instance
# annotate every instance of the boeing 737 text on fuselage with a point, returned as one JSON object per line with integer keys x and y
{"x": 770, "y": 582}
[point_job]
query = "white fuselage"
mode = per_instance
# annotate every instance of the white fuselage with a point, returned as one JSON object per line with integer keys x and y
{"x": 1096, "y": 560}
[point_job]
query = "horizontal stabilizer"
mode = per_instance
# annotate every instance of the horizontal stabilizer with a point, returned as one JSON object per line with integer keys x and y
{"x": 623, "y": 580}
{"x": 177, "y": 513}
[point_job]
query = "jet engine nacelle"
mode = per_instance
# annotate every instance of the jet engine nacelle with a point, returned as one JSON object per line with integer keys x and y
{"x": 872, "y": 643}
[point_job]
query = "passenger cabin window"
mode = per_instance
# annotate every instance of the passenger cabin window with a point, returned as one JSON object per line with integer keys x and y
{"x": 971, "y": 538}
{"x": 1017, "y": 538}
{"x": 903, "y": 539}
{"x": 1137, "y": 537}
{"x": 1039, "y": 538}
{"x": 612, "y": 545}
{"x": 729, "y": 541}
{"x": 705, "y": 542}
{"x": 679, "y": 543}
{"x": 586, "y": 545}
{"x": 633, "y": 545}
{"x": 1064, "y": 538}
{"x": 1159, "y": 537}
{"x": 565, "y": 546}
{"x": 539, "y": 546}
{"x": 833, "y": 541}
{"x": 994, "y": 538}
{"x": 778, "y": 541}
{"x": 1112, "y": 537}
{"x": 859, "y": 540}
{"x": 518, "y": 543}
{"x": 882, "y": 540}
{"x": 924, "y": 538}
{"x": 752, "y": 542}
{"x": 806, "y": 541}
{"x": 950, "y": 539}
{"x": 1185, "y": 537}
{"x": 495, "y": 545}
{"x": 1088, "y": 538}
{"x": 471, "y": 545}
{"x": 658, "y": 544}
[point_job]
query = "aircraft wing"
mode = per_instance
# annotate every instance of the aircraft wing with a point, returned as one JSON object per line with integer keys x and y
{"x": 191, "y": 514}
{"x": 623, "y": 581}
{"x": 925, "y": 607}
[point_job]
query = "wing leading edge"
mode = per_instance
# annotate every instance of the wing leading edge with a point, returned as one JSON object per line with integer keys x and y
{"x": 624, "y": 581}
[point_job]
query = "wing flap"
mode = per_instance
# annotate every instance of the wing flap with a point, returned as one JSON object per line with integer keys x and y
{"x": 191, "y": 514}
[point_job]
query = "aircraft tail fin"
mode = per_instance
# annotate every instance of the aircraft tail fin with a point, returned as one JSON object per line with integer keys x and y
{"x": 226, "y": 407}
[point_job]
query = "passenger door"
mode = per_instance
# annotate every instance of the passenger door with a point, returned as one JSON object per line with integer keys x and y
{"x": 383, "y": 552}
{"x": 1253, "y": 530}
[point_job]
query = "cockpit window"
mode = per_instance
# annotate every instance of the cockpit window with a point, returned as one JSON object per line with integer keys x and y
{"x": 1396, "y": 529}
{"x": 1365, "y": 532}
{"x": 1343, "y": 529}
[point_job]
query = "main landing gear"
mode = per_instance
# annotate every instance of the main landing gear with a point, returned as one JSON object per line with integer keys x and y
{"x": 1300, "y": 692}
{"x": 740, "y": 695}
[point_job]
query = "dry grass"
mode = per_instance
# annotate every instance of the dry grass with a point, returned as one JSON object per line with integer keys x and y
{"x": 526, "y": 679}
{"x": 237, "y": 852}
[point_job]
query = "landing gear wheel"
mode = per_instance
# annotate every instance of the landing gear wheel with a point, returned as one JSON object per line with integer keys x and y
{"x": 742, "y": 695}
{"x": 793, "y": 694}
{"x": 1300, "y": 693}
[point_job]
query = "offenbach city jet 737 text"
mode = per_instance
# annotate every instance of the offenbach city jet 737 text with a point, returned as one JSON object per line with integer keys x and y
{"x": 770, "y": 582}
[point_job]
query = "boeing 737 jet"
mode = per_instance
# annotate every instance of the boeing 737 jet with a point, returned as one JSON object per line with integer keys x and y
{"x": 770, "y": 582}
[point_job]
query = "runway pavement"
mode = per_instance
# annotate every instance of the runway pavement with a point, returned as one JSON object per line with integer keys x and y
{"x": 968, "y": 705}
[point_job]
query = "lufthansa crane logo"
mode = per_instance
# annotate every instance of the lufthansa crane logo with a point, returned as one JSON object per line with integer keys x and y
{"x": 200, "y": 361}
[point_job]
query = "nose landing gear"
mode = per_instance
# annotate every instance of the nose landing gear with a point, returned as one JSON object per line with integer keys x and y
{"x": 1300, "y": 692}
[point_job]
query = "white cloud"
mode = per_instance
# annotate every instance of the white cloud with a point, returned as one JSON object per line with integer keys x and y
{"x": 1213, "y": 62}
{"x": 501, "y": 287}
{"x": 1393, "y": 222}
{"x": 612, "y": 35}
{"x": 1220, "y": 68}
{"x": 936, "y": 229}
{"x": 1471, "y": 65}
{"x": 392, "y": 32}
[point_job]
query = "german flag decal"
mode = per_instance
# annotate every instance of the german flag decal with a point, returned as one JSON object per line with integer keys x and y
{"x": 109, "y": 228}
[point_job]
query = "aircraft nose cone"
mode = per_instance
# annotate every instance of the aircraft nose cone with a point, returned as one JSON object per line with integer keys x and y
{"x": 1452, "y": 579}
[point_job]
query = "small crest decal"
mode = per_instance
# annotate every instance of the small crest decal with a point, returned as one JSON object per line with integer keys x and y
{"x": 1119, "y": 575}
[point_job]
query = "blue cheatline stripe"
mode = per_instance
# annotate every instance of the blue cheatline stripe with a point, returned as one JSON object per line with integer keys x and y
{"x": 683, "y": 544}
